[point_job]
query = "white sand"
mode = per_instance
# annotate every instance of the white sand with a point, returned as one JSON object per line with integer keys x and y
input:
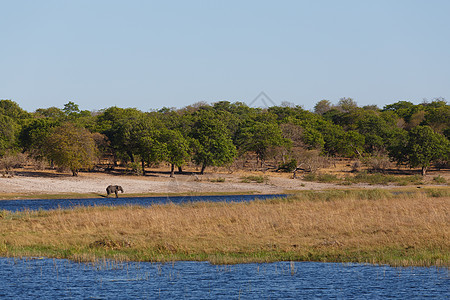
{"x": 97, "y": 183}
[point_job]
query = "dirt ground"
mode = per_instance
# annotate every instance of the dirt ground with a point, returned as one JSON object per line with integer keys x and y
{"x": 31, "y": 182}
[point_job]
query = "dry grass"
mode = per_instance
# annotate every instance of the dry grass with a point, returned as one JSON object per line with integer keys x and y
{"x": 361, "y": 226}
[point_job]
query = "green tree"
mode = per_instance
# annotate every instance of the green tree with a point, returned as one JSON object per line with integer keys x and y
{"x": 12, "y": 117}
{"x": 71, "y": 109}
{"x": 51, "y": 112}
{"x": 438, "y": 118}
{"x": 117, "y": 124}
{"x": 71, "y": 147}
{"x": 376, "y": 129}
{"x": 212, "y": 143}
{"x": 420, "y": 147}
{"x": 9, "y": 131}
{"x": 259, "y": 137}
{"x": 33, "y": 136}
{"x": 13, "y": 110}
{"x": 144, "y": 141}
{"x": 176, "y": 150}
{"x": 404, "y": 109}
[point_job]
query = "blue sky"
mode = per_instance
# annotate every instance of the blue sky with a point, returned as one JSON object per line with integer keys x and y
{"x": 151, "y": 54}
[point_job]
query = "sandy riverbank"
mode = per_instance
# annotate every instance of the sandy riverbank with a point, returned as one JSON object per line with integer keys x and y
{"x": 36, "y": 183}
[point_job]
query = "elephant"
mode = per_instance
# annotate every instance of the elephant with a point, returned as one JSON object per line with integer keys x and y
{"x": 113, "y": 189}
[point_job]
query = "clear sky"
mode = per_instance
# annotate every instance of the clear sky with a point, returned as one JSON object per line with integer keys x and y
{"x": 151, "y": 54}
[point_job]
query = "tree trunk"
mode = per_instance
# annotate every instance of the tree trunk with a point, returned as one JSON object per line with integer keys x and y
{"x": 115, "y": 159}
{"x": 130, "y": 154}
{"x": 180, "y": 170}
{"x": 74, "y": 172}
{"x": 424, "y": 171}
{"x": 143, "y": 167}
{"x": 203, "y": 169}
{"x": 172, "y": 170}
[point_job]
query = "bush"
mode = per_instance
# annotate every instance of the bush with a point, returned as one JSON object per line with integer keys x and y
{"x": 437, "y": 193}
{"x": 310, "y": 177}
{"x": 254, "y": 178}
{"x": 439, "y": 180}
{"x": 378, "y": 163}
{"x": 12, "y": 160}
{"x": 376, "y": 178}
{"x": 135, "y": 168}
{"x": 289, "y": 166}
{"x": 327, "y": 178}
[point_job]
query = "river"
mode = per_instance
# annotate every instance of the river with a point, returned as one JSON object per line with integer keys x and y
{"x": 47, "y": 204}
{"x": 63, "y": 279}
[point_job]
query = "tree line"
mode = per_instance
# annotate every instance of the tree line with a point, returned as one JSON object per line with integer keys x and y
{"x": 216, "y": 134}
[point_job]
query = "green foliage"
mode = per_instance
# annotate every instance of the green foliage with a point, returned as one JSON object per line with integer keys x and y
{"x": 70, "y": 147}
{"x": 438, "y": 193}
{"x": 420, "y": 148}
{"x": 13, "y": 110}
{"x": 33, "y": 135}
{"x": 313, "y": 139}
{"x": 254, "y": 178}
{"x": 375, "y": 178}
{"x": 134, "y": 168}
{"x": 327, "y": 178}
{"x": 289, "y": 166}
{"x": 9, "y": 131}
{"x": 416, "y": 135}
{"x": 324, "y": 178}
{"x": 211, "y": 144}
{"x": 438, "y": 118}
{"x": 175, "y": 148}
{"x": 51, "y": 112}
{"x": 71, "y": 109}
{"x": 439, "y": 179}
{"x": 118, "y": 124}
{"x": 403, "y": 109}
{"x": 260, "y": 137}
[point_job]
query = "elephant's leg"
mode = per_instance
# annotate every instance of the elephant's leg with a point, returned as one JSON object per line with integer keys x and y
{"x": 117, "y": 194}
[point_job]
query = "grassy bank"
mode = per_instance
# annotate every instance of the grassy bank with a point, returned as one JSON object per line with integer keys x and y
{"x": 371, "y": 226}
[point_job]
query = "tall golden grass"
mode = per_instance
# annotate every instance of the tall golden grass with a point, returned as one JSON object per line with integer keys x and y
{"x": 360, "y": 226}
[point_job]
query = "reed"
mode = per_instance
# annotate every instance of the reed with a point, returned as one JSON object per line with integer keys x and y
{"x": 410, "y": 228}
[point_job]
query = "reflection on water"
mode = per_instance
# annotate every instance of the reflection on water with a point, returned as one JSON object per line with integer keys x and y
{"x": 50, "y": 278}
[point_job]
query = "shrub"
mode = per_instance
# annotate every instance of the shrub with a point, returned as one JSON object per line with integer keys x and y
{"x": 254, "y": 178}
{"x": 289, "y": 166}
{"x": 135, "y": 168}
{"x": 327, "y": 178}
{"x": 310, "y": 177}
{"x": 376, "y": 178}
{"x": 439, "y": 180}
{"x": 437, "y": 193}
{"x": 12, "y": 160}
{"x": 378, "y": 163}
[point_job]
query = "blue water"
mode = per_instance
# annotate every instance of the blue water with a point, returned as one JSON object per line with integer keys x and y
{"x": 63, "y": 279}
{"x": 45, "y": 204}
